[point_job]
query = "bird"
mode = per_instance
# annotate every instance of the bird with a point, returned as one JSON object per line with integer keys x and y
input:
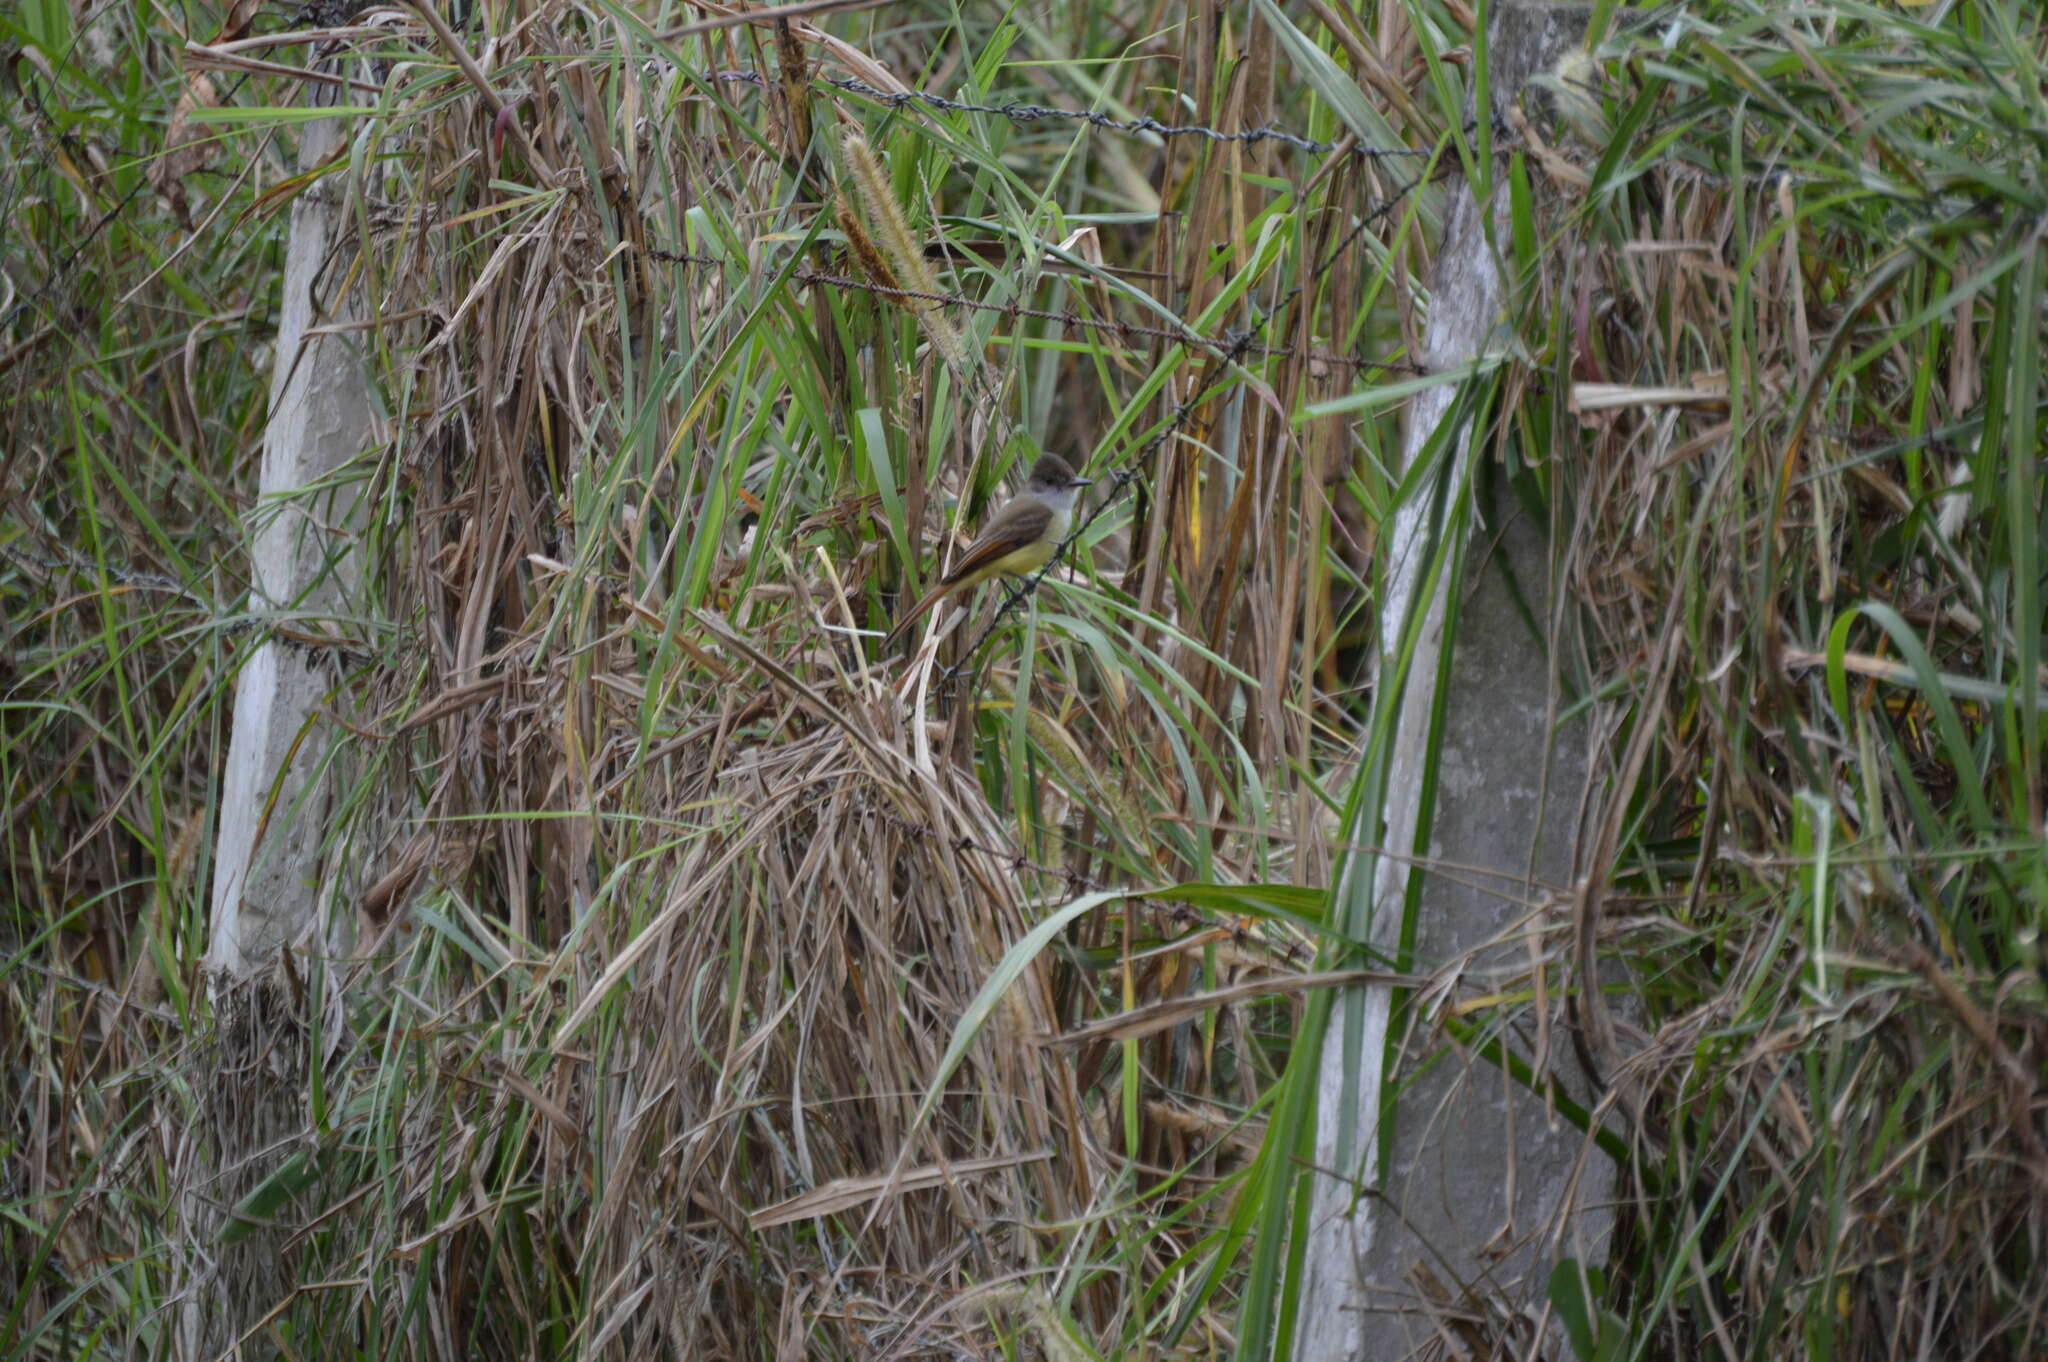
{"x": 1018, "y": 539}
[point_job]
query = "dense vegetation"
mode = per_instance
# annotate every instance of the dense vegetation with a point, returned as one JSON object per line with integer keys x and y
{"x": 673, "y": 922}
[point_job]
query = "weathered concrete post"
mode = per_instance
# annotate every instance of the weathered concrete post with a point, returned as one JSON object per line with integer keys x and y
{"x": 265, "y": 873}
{"x": 1476, "y": 1168}
{"x": 267, "y": 882}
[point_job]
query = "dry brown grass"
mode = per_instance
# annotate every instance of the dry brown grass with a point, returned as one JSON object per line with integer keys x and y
{"x": 668, "y": 903}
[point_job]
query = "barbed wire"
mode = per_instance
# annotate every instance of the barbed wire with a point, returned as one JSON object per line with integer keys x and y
{"x": 1019, "y": 112}
{"x": 127, "y": 578}
{"x": 1180, "y": 334}
{"x": 1028, "y": 113}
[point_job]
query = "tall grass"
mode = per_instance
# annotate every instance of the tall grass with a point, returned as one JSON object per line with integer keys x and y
{"x": 674, "y": 914}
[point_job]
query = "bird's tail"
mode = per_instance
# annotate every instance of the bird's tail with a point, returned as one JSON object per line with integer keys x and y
{"x": 915, "y": 613}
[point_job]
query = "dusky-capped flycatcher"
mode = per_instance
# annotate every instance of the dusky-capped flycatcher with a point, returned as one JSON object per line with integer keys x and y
{"x": 1017, "y": 539}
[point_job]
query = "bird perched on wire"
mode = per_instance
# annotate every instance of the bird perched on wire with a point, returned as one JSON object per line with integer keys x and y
{"x": 1018, "y": 539}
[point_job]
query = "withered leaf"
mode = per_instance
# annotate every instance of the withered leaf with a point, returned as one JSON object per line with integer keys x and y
{"x": 187, "y": 149}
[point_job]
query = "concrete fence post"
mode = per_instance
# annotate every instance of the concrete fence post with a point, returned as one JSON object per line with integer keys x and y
{"x": 1475, "y": 1169}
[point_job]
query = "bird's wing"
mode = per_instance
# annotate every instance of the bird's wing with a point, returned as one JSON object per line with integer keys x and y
{"x": 1002, "y": 537}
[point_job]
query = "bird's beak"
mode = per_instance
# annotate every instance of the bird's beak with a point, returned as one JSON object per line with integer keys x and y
{"x": 1079, "y": 482}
